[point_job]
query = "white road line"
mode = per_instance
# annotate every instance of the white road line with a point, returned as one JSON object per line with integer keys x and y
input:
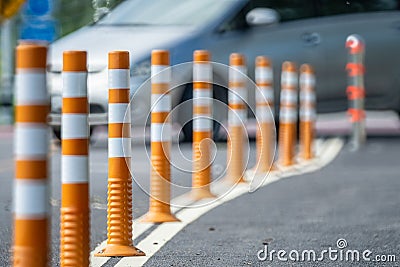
{"x": 326, "y": 151}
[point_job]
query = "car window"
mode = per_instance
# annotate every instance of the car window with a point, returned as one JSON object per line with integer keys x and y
{"x": 329, "y": 7}
{"x": 166, "y": 12}
{"x": 287, "y": 9}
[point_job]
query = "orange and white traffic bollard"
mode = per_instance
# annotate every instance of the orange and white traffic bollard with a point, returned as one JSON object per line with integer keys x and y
{"x": 264, "y": 114}
{"x": 307, "y": 111}
{"x": 119, "y": 205}
{"x": 160, "y": 176}
{"x": 202, "y": 124}
{"x": 74, "y": 213}
{"x": 31, "y": 200}
{"x": 288, "y": 114}
{"x": 355, "y": 89}
{"x": 237, "y": 118}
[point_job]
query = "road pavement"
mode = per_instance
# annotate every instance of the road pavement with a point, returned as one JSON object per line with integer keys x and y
{"x": 355, "y": 198}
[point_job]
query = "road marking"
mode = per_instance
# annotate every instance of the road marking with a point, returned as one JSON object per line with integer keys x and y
{"x": 326, "y": 151}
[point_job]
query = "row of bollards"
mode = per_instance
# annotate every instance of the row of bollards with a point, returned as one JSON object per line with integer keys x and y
{"x": 31, "y": 191}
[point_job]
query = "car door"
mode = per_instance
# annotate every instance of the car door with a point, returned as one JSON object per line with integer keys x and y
{"x": 378, "y": 22}
{"x": 291, "y": 39}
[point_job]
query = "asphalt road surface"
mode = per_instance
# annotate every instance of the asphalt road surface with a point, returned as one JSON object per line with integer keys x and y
{"x": 355, "y": 198}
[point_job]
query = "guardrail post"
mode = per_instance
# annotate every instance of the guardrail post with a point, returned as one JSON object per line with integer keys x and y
{"x": 31, "y": 200}
{"x": 237, "y": 118}
{"x": 74, "y": 212}
{"x": 119, "y": 205}
{"x": 355, "y": 89}
{"x": 288, "y": 114}
{"x": 160, "y": 174}
{"x": 202, "y": 125}
{"x": 264, "y": 113}
{"x": 307, "y": 111}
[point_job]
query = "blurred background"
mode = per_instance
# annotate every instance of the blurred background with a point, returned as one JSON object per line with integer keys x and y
{"x": 46, "y": 20}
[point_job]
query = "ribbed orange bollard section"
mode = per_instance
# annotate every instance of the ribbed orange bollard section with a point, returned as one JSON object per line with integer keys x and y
{"x": 307, "y": 111}
{"x": 160, "y": 174}
{"x": 31, "y": 137}
{"x": 202, "y": 124}
{"x": 237, "y": 118}
{"x": 74, "y": 213}
{"x": 264, "y": 114}
{"x": 355, "y": 89}
{"x": 288, "y": 114}
{"x": 119, "y": 204}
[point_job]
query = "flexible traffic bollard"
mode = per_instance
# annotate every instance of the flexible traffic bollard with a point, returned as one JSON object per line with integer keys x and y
{"x": 160, "y": 176}
{"x": 264, "y": 114}
{"x": 119, "y": 205}
{"x": 307, "y": 111}
{"x": 74, "y": 212}
{"x": 202, "y": 124}
{"x": 355, "y": 89}
{"x": 288, "y": 114}
{"x": 237, "y": 118}
{"x": 31, "y": 201}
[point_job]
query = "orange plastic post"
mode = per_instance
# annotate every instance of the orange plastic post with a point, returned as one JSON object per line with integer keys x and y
{"x": 74, "y": 213}
{"x": 307, "y": 111}
{"x": 288, "y": 114}
{"x": 31, "y": 137}
{"x": 237, "y": 118}
{"x": 202, "y": 124}
{"x": 119, "y": 205}
{"x": 264, "y": 114}
{"x": 160, "y": 176}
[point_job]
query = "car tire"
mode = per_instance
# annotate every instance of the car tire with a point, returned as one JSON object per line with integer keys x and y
{"x": 219, "y": 93}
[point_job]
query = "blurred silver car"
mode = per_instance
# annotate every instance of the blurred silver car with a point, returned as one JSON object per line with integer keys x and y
{"x": 306, "y": 31}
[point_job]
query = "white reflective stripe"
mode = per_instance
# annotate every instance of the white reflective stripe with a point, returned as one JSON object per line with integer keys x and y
{"x": 264, "y": 114}
{"x": 202, "y": 72}
{"x": 307, "y": 80}
{"x": 119, "y": 147}
{"x": 287, "y": 115}
{"x": 307, "y": 114}
{"x": 307, "y": 96}
{"x": 118, "y": 78}
{"x": 160, "y": 103}
{"x": 237, "y": 117}
{"x": 160, "y": 132}
{"x": 237, "y": 95}
{"x": 263, "y": 75}
{"x": 74, "y": 84}
{"x": 202, "y": 97}
{"x": 160, "y": 74}
{"x": 289, "y": 79}
{"x": 31, "y": 198}
{"x": 31, "y": 89}
{"x": 31, "y": 140}
{"x": 119, "y": 113}
{"x": 74, "y": 126}
{"x": 202, "y": 123}
{"x": 288, "y": 97}
{"x": 264, "y": 94}
{"x": 237, "y": 74}
{"x": 74, "y": 169}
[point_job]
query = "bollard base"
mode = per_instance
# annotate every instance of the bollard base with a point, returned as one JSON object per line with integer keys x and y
{"x": 159, "y": 217}
{"x": 234, "y": 180}
{"x": 119, "y": 251}
{"x": 199, "y": 193}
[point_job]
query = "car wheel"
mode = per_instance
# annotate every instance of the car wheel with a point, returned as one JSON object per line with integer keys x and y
{"x": 219, "y": 93}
